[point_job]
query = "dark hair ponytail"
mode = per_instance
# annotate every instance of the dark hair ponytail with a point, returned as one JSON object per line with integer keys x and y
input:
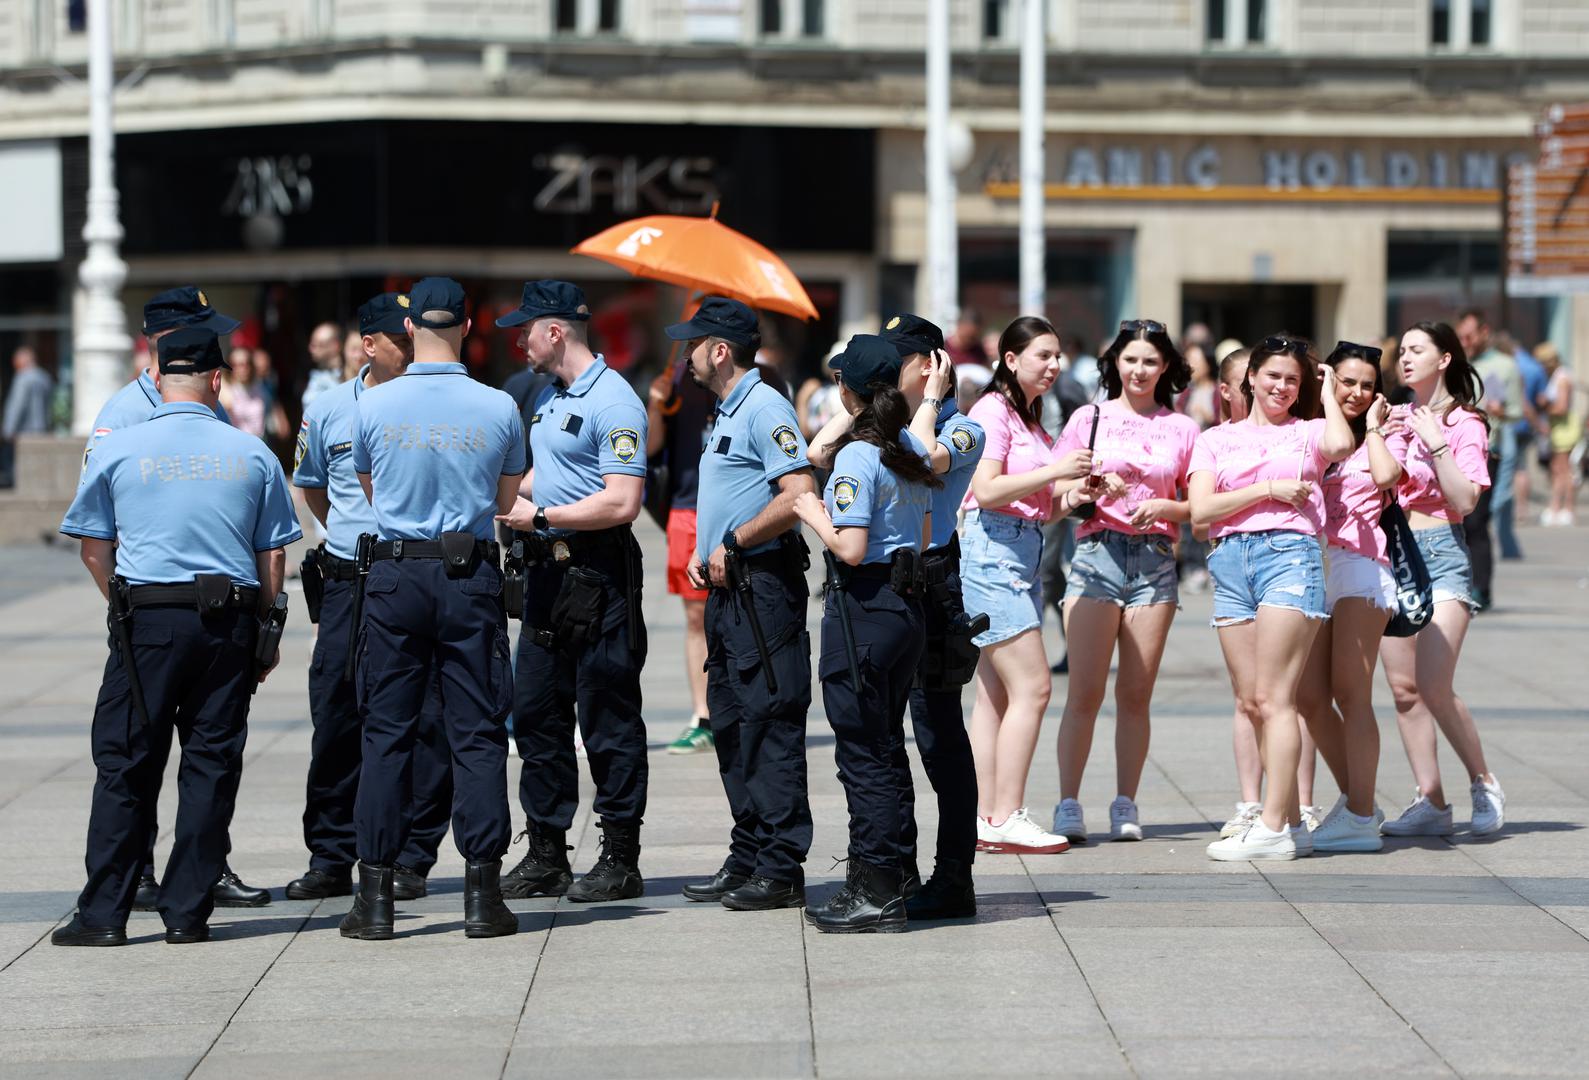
{"x": 879, "y": 422}
{"x": 1461, "y": 381}
{"x": 1016, "y": 337}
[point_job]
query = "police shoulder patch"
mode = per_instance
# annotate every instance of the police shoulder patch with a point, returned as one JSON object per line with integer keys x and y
{"x": 786, "y": 440}
{"x": 302, "y": 446}
{"x": 845, "y": 488}
{"x": 964, "y": 439}
{"x": 625, "y": 443}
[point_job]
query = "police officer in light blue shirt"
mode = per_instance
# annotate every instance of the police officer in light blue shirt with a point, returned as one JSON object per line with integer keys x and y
{"x": 183, "y": 521}
{"x": 583, "y": 641}
{"x": 439, "y": 455}
{"x": 874, "y": 521}
{"x": 324, "y": 472}
{"x": 758, "y": 654}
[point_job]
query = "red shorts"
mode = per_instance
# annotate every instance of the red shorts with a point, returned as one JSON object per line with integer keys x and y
{"x": 681, "y": 549}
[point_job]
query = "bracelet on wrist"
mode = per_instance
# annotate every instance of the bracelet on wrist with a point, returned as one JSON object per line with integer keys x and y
{"x": 1441, "y": 449}
{"x": 1376, "y": 431}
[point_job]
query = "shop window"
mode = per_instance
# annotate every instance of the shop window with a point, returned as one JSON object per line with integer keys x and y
{"x": 1440, "y": 22}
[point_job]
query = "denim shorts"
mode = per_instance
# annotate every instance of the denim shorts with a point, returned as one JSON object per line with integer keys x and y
{"x": 1274, "y": 568}
{"x": 1129, "y": 571}
{"x": 1445, "y": 554}
{"x": 999, "y": 557}
{"x": 1348, "y": 575}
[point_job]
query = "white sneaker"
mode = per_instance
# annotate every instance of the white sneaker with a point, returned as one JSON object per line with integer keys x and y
{"x": 1123, "y": 824}
{"x": 986, "y": 837}
{"x": 1312, "y": 816}
{"x": 1256, "y": 841}
{"x": 1246, "y": 814}
{"x": 1489, "y": 807}
{"x": 1420, "y": 819}
{"x": 1302, "y": 839}
{"x": 1068, "y": 821}
{"x": 1345, "y": 831}
{"x": 1020, "y": 835}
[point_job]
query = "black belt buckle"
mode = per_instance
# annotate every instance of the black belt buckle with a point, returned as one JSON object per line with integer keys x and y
{"x": 212, "y": 593}
{"x": 460, "y": 553}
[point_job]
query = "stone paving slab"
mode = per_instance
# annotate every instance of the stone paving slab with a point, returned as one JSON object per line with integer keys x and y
{"x": 1457, "y": 956}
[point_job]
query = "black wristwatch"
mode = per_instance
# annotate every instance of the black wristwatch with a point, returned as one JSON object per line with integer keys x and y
{"x": 731, "y": 545}
{"x": 539, "y": 521}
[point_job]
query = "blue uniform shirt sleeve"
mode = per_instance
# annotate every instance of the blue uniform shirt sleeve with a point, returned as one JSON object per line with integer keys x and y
{"x": 962, "y": 438}
{"x": 309, "y": 468}
{"x": 776, "y": 440}
{"x": 517, "y": 460}
{"x": 277, "y": 523}
{"x": 621, "y": 429}
{"x": 852, "y": 489}
{"x": 361, "y": 447}
{"x": 93, "y": 511}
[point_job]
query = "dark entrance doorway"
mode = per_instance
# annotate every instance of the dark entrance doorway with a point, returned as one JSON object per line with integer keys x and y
{"x": 1249, "y": 312}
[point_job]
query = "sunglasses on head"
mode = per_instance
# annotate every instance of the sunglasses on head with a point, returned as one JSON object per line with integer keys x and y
{"x": 1295, "y": 346}
{"x": 1131, "y": 326}
{"x": 1370, "y": 353}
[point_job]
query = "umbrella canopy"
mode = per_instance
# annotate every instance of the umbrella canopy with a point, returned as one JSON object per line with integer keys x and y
{"x": 702, "y": 254}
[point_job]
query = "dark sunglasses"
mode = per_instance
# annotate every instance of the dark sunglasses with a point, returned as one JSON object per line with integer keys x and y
{"x": 1370, "y": 353}
{"x": 1131, "y": 326}
{"x": 1295, "y": 346}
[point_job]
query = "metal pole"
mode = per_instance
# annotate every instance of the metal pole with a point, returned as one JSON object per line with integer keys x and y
{"x": 100, "y": 345}
{"x": 1034, "y": 285}
{"x": 942, "y": 260}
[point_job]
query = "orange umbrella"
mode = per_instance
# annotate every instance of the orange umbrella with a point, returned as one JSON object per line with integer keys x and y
{"x": 702, "y": 254}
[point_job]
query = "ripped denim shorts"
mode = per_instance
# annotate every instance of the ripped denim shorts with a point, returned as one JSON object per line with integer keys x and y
{"x": 999, "y": 557}
{"x": 1274, "y": 568}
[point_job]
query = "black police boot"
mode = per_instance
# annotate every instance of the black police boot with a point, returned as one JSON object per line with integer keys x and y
{"x": 869, "y": 903}
{"x": 371, "y": 916}
{"x": 545, "y": 870}
{"x": 319, "y": 884}
{"x": 408, "y": 883}
{"x": 616, "y": 875}
{"x": 75, "y": 933}
{"x": 765, "y": 894}
{"x": 229, "y": 891}
{"x": 484, "y": 913}
{"x": 948, "y": 894}
{"x": 716, "y": 887}
{"x": 148, "y": 895}
{"x": 187, "y": 935}
{"x": 909, "y": 879}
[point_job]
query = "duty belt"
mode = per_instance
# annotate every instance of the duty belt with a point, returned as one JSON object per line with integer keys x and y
{"x": 488, "y": 550}
{"x": 938, "y": 562}
{"x": 576, "y": 547}
{"x": 187, "y": 595}
{"x": 335, "y": 569}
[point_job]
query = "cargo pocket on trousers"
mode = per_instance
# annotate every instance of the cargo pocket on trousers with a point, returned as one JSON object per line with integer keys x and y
{"x": 499, "y": 676}
{"x": 789, "y": 658}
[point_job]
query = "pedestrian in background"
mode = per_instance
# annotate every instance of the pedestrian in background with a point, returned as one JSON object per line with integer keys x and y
{"x": 1564, "y": 429}
{"x": 27, "y": 407}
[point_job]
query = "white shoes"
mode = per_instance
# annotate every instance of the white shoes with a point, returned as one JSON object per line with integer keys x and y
{"x": 1246, "y": 814}
{"x": 1343, "y": 831}
{"x": 1068, "y": 821}
{"x": 1302, "y": 840}
{"x": 1020, "y": 835}
{"x": 1422, "y": 819}
{"x": 1312, "y": 816}
{"x": 1489, "y": 807}
{"x": 1256, "y": 841}
{"x": 1123, "y": 824}
{"x": 1550, "y": 517}
{"x": 986, "y": 837}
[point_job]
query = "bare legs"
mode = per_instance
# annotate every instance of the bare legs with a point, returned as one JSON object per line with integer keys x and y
{"x": 1013, "y": 687}
{"x": 1336, "y": 697}
{"x": 695, "y": 653}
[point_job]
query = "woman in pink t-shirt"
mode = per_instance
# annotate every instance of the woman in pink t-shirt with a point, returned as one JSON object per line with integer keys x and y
{"x": 1256, "y": 485}
{"x": 1359, "y": 595}
{"x": 1122, "y": 584}
{"x": 1445, "y": 469}
{"x": 1001, "y": 544}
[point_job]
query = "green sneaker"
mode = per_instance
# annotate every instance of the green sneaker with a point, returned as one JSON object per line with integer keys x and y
{"x": 694, "y": 739}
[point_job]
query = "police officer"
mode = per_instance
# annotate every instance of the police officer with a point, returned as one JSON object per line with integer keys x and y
{"x": 955, "y": 445}
{"x": 134, "y": 403}
{"x": 583, "y": 641}
{"x": 183, "y": 521}
{"x": 758, "y": 654}
{"x": 438, "y": 454}
{"x": 874, "y": 520}
{"x": 324, "y": 471}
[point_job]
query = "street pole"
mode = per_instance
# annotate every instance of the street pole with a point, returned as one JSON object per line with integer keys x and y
{"x": 943, "y": 269}
{"x": 100, "y": 345}
{"x": 1034, "y": 285}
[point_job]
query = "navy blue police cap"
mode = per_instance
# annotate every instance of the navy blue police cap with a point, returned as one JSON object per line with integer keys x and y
{"x": 189, "y": 350}
{"x": 184, "y": 306}
{"x": 913, "y": 334}
{"x": 718, "y": 317}
{"x": 868, "y": 359}
{"x": 384, "y": 314}
{"x": 548, "y": 299}
{"x": 440, "y": 294}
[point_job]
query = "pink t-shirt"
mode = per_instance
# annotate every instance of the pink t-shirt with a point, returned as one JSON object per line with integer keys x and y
{"x": 1420, "y": 490}
{"x": 1150, "y": 453}
{"x": 1353, "y": 502}
{"x": 1243, "y": 453}
{"x": 1010, "y": 439}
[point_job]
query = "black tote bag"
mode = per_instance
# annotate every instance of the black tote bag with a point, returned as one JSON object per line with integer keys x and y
{"x": 1414, "y": 591}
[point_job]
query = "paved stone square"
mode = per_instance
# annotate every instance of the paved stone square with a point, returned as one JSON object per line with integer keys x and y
{"x": 1432, "y": 958}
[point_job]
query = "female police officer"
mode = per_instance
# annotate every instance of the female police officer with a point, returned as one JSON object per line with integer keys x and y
{"x": 874, "y": 519}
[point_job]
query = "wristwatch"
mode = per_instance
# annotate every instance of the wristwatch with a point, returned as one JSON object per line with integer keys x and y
{"x": 731, "y": 545}
{"x": 936, "y": 403}
{"x": 539, "y": 521}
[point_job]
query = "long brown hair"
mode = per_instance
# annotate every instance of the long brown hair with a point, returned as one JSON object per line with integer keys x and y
{"x": 1306, "y": 406}
{"x": 1015, "y": 339}
{"x": 1462, "y": 383}
{"x": 879, "y": 423}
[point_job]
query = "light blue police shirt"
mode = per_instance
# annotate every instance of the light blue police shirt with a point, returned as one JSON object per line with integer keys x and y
{"x": 581, "y": 433}
{"x": 962, "y": 437}
{"x": 132, "y": 404}
{"x": 435, "y": 444}
{"x": 183, "y": 494}
{"x": 862, "y": 491}
{"x": 755, "y": 441}
{"x": 324, "y": 459}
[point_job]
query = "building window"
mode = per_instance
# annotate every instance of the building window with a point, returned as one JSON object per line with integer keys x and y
{"x": 1479, "y": 23}
{"x": 1440, "y": 22}
{"x": 793, "y": 18}
{"x": 813, "y": 17}
{"x": 566, "y": 14}
{"x": 1214, "y": 20}
{"x": 1257, "y": 21}
{"x": 995, "y": 20}
{"x": 771, "y": 17}
{"x": 607, "y": 16}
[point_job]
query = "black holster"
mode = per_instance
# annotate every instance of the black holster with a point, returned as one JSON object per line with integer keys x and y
{"x": 269, "y": 639}
{"x": 120, "y": 621}
{"x": 904, "y": 572}
{"x": 578, "y": 609}
{"x": 363, "y": 554}
{"x": 513, "y": 584}
{"x": 950, "y": 658}
{"x": 212, "y": 592}
{"x": 311, "y": 575}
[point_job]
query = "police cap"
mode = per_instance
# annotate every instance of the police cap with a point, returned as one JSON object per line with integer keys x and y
{"x": 718, "y": 317}
{"x": 384, "y": 313}
{"x": 548, "y": 299}
{"x": 190, "y": 350}
{"x": 184, "y": 306}
{"x": 912, "y": 334}
{"x": 440, "y": 294}
{"x": 868, "y": 359}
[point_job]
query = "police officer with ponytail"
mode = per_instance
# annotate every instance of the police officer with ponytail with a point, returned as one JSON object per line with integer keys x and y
{"x": 874, "y": 521}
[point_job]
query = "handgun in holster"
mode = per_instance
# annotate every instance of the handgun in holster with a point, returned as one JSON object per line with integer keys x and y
{"x": 311, "y": 575}
{"x": 271, "y": 628}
